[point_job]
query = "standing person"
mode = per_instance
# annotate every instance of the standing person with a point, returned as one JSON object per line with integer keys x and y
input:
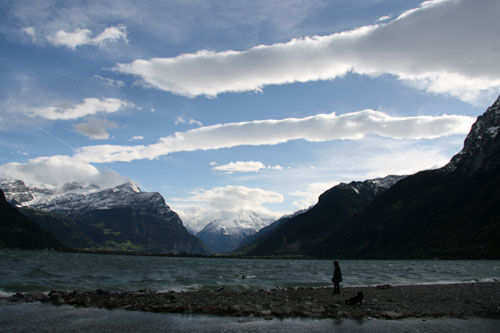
{"x": 337, "y": 277}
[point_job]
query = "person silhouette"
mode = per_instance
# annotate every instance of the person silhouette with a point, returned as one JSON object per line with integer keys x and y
{"x": 337, "y": 277}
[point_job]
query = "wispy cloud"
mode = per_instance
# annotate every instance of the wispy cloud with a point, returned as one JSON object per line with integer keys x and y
{"x": 95, "y": 128}
{"x": 245, "y": 166}
{"x": 83, "y": 37}
{"x": 309, "y": 196}
{"x": 30, "y": 31}
{"x": 384, "y": 18}
{"x": 136, "y": 138}
{"x": 109, "y": 82}
{"x": 89, "y": 106}
{"x": 423, "y": 46}
{"x": 323, "y": 127}
{"x": 318, "y": 128}
{"x": 183, "y": 120}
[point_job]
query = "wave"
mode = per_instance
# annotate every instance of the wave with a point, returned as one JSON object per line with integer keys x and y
{"x": 426, "y": 283}
{"x": 40, "y": 273}
{"x": 5, "y": 294}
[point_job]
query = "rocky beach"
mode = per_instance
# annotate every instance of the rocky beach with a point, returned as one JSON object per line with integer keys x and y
{"x": 464, "y": 300}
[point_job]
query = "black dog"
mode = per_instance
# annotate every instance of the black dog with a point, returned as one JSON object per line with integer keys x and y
{"x": 355, "y": 299}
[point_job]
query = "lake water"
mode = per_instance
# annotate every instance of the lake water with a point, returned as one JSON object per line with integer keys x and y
{"x": 28, "y": 271}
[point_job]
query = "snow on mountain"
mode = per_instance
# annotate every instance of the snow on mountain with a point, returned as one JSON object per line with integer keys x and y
{"x": 375, "y": 185}
{"x": 224, "y": 233}
{"x": 122, "y": 217}
{"x": 17, "y": 192}
{"x": 232, "y": 223}
{"x": 21, "y": 194}
{"x": 126, "y": 195}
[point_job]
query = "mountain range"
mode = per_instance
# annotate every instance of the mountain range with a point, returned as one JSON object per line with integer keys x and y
{"x": 301, "y": 232}
{"x": 450, "y": 212}
{"x": 120, "y": 218}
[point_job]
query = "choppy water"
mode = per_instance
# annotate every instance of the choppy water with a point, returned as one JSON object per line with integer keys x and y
{"x": 24, "y": 271}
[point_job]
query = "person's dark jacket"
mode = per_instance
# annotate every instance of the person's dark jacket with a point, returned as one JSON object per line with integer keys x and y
{"x": 337, "y": 275}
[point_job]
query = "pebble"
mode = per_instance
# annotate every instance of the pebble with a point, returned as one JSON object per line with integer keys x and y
{"x": 394, "y": 303}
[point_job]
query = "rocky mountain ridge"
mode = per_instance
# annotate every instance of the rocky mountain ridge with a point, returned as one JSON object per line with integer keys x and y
{"x": 481, "y": 146}
{"x": 451, "y": 212}
{"x": 118, "y": 218}
{"x": 301, "y": 232}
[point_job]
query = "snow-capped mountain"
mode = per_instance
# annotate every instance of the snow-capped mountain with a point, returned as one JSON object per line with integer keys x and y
{"x": 224, "y": 233}
{"x": 122, "y": 217}
{"x": 261, "y": 234}
{"x": 74, "y": 204}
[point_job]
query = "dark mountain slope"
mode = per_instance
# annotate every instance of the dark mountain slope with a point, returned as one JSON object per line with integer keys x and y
{"x": 63, "y": 228}
{"x": 302, "y": 233}
{"x": 19, "y": 232}
{"x": 452, "y": 212}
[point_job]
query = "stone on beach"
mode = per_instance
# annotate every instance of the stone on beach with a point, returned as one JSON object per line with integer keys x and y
{"x": 387, "y": 302}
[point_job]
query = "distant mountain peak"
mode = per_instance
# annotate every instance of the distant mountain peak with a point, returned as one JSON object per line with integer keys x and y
{"x": 224, "y": 233}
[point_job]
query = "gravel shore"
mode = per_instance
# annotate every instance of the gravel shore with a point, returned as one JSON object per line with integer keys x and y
{"x": 385, "y": 302}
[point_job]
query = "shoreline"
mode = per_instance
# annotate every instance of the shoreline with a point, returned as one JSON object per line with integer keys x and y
{"x": 459, "y": 300}
{"x": 31, "y": 317}
{"x": 104, "y": 251}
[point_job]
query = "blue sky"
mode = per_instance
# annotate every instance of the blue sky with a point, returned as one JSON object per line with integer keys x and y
{"x": 228, "y": 105}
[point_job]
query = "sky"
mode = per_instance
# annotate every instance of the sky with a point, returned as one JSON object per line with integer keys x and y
{"x": 229, "y": 105}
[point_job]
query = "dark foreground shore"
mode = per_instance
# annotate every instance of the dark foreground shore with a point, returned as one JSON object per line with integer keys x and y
{"x": 479, "y": 300}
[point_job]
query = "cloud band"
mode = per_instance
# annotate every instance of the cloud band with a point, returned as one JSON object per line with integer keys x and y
{"x": 423, "y": 46}
{"x": 317, "y": 128}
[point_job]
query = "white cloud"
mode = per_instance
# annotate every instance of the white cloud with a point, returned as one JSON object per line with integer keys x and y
{"x": 95, "y": 128}
{"x": 82, "y": 37}
{"x": 245, "y": 166}
{"x": 310, "y": 195}
{"x": 384, "y": 18}
{"x": 317, "y": 128}
{"x": 182, "y": 120}
{"x": 57, "y": 170}
{"x": 88, "y": 107}
{"x": 443, "y": 46}
{"x": 136, "y": 138}
{"x": 110, "y": 82}
{"x": 405, "y": 162}
{"x": 233, "y": 198}
{"x": 30, "y": 31}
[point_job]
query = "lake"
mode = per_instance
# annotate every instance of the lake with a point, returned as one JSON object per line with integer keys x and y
{"x": 30, "y": 271}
